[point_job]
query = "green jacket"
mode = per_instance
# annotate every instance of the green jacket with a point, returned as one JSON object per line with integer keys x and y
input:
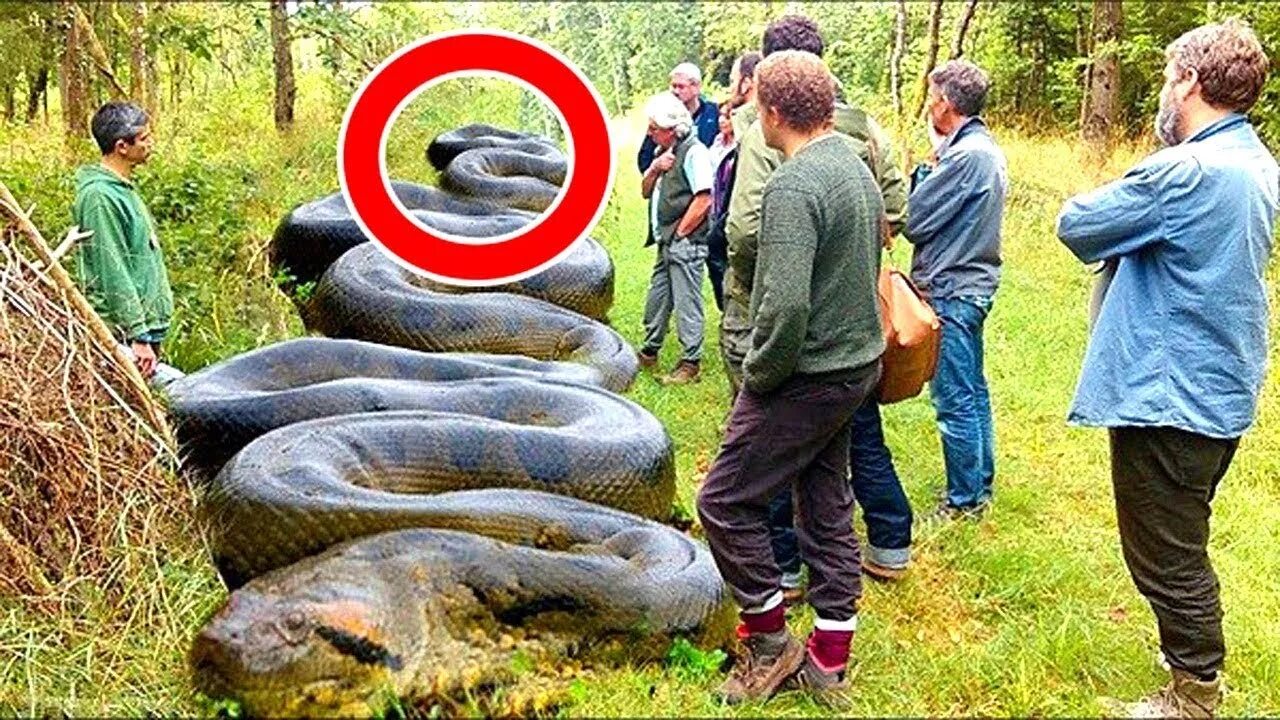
{"x": 121, "y": 266}
{"x": 757, "y": 161}
{"x": 813, "y": 305}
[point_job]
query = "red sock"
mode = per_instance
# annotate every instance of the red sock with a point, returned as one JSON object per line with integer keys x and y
{"x": 769, "y": 621}
{"x": 830, "y": 648}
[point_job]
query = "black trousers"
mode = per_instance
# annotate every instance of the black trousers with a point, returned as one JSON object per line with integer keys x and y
{"x": 1164, "y": 479}
{"x": 794, "y": 436}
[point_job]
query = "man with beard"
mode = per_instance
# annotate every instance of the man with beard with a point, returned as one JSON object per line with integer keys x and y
{"x": 1177, "y": 355}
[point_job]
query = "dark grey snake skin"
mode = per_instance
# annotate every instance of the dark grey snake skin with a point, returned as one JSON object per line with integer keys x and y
{"x": 403, "y": 520}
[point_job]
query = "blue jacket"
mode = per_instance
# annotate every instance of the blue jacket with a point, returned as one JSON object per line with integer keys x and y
{"x": 954, "y": 215}
{"x": 1181, "y": 338}
{"x": 706, "y": 121}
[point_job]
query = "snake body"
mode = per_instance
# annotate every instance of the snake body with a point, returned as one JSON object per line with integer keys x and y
{"x": 405, "y": 520}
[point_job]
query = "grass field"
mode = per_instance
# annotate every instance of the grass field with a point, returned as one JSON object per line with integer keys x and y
{"x": 1029, "y": 612}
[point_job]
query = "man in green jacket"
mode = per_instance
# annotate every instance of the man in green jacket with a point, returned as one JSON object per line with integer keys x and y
{"x": 757, "y": 161}
{"x": 121, "y": 266}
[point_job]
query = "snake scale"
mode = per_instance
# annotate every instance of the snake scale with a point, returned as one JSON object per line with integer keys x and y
{"x": 396, "y": 519}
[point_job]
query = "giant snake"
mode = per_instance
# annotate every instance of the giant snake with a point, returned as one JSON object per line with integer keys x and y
{"x": 395, "y": 520}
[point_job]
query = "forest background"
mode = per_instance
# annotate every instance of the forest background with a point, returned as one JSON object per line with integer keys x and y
{"x": 1028, "y": 613}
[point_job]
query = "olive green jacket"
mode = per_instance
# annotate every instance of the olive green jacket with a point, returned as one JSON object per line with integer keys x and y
{"x": 757, "y": 161}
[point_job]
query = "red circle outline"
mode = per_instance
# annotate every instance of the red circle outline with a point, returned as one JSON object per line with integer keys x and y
{"x": 526, "y": 252}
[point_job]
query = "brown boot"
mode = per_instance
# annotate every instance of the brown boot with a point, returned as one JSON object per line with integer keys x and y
{"x": 684, "y": 373}
{"x": 769, "y": 659}
{"x": 829, "y": 689}
{"x": 648, "y": 363}
{"x": 1186, "y": 696}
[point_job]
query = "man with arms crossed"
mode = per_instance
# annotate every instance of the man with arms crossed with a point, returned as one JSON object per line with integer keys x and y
{"x": 1177, "y": 357}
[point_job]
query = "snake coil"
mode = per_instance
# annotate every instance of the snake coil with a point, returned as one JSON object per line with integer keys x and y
{"x": 391, "y": 516}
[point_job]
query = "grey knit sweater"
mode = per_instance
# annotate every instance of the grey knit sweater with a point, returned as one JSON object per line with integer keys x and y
{"x": 813, "y": 299}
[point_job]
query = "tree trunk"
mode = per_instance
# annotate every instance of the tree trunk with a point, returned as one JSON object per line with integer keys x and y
{"x": 72, "y": 82}
{"x": 1100, "y": 108}
{"x": 37, "y": 88}
{"x": 283, "y": 59}
{"x": 139, "y": 89}
{"x": 957, "y": 47}
{"x": 931, "y": 59}
{"x": 98, "y": 54}
{"x": 895, "y": 60}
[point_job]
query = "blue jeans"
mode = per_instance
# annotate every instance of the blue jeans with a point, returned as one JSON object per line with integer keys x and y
{"x": 963, "y": 402}
{"x": 875, "y": 487}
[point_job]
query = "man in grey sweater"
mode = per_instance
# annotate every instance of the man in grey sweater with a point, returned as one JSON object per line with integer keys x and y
{"x": 814, "y": 358}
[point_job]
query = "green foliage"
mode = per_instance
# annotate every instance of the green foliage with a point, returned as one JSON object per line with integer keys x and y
{"x": 691, "y": 663}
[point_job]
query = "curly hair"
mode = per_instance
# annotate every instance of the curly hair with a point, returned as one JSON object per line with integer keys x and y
{"x": 1228, "y": 60}
{"x": 799, "y": 86}
{"x": 792, "y": 32}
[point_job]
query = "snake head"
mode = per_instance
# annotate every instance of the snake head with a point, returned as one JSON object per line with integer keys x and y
{"x": 319, "y": 651}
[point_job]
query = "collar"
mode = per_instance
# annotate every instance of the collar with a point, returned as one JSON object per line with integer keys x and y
{"x": 1217, "y": 126}
{"x": 813, "y": 141}
{"x": 970, "y": 125}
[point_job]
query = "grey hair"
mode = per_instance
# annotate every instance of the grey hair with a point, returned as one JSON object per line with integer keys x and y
{"x": 964, "y": 84}
{"x": 116, "y": 121}
{"x": 667, "y": 112}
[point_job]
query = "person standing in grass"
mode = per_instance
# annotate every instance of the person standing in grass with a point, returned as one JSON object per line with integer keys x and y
{"x": 814, "y": 357}
{"x": 678, "y": 188}
{"x": 1177, "y": 356}
{"x": 120, "y": 266}
{"x": 957, "y": 206}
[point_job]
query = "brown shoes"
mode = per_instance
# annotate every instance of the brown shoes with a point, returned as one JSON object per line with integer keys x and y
{"x": 684, "y": 373}
{"x": 829, "y": 689}
{"x": 1186, "y": 696}
{"x": 768, "y": 661}
{"x": 648, "y": 363}
{"x": 880, "y": 572}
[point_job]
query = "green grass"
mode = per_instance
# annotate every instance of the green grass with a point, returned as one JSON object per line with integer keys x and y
{"x": 1029, "y": 612}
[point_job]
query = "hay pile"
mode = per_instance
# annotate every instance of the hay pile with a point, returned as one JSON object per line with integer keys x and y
{"x": 85, "y": 473}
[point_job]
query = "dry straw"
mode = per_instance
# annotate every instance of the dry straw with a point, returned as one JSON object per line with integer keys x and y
{"x": 86, "y": 459}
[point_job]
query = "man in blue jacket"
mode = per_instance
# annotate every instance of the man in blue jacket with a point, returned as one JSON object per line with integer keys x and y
{"x": 686, "y": 85}
{"x": 1177, "y": 355}
{"x": 957, "y": 206}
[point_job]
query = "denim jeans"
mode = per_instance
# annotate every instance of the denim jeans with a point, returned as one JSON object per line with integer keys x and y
{"x": 875, "y": 487}
{"x": 963, "y": 402}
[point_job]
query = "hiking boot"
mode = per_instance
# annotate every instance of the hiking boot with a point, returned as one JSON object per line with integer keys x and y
{"x": 792, "y": 596}
{"x": 829, "y": 689}
{"x": 1186, "y": 696}
{"x": 684, "y": 373}
{"x": 648, "y": 363}
{"x": 769, "y": 659}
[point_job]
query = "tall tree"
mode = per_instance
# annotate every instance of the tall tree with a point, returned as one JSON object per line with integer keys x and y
{"x": 895, "y": 60}
{"x": 931, "y": 58}
{"x": 139, "y": 88}
{"x": 282, "y": 56}
{"x": 957, "y": 46}
{"x": 1100, "y": 106}
{"x": 72, "y": 80}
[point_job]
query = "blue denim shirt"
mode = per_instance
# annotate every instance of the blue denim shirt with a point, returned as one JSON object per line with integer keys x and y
{"x": 1181, "y": 338}
{"x": 954, "y": 215}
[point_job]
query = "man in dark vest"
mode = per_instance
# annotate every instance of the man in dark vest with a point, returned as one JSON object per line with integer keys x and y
{"x": 678, "y": 187}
